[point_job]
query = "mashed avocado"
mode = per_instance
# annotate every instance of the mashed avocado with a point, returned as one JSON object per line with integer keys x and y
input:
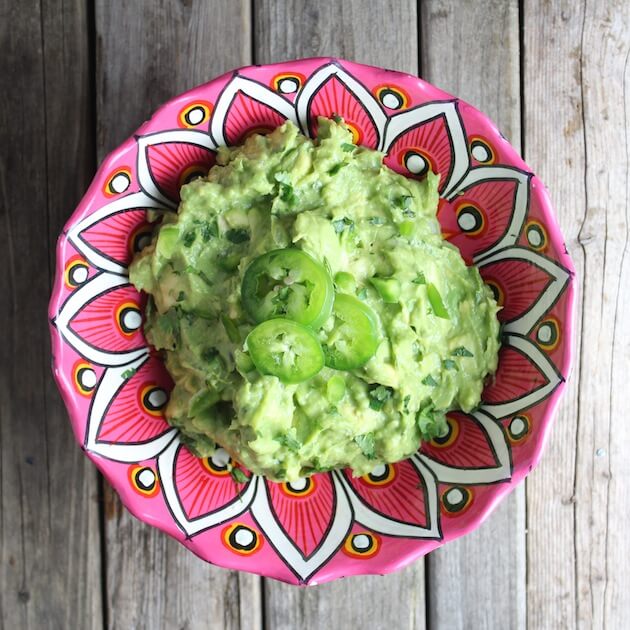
{"x": 311, "y": 314}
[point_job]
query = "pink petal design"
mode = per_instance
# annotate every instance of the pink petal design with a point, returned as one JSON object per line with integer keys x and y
{"x": 201, "y": 487}
{"x": 486, "y": 210}
{"x": 334, "y": 98}
{"x": 516, "y": 283}
{"x": 246, "y": 116}
{"x": 478, "y": 217}
{"x": 525, "y": 377}
{"x": 111, "y": 321}
{"x": 173, "y": 164}
{"x": 135, "y": 415}
{"x": 305, "y": 515}
{"x": 403, "y": 497}
{"x": 516, "y": 376}
{"x": 424, "y": 147}
{"x": 466, "y": 445}
{"x": 119, "y": 236}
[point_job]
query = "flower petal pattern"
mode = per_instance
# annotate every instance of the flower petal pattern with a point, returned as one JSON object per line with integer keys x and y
{"x": 136, "y": 413}
{"x": 246, "y": 106}
{"x": 428, "y": 136}
{"x": 95, "y": 295}
{"x": 474, "y": 451}
{"x": 199, "y": 520}
{"x": 487, "y": 210}
{"x": 99, "y": 236}
{"x": 332, "y": 91}
{"x": 332, "y": 524}
{"x": 159, "y": 173}
{"x": 304, "y": 510}
{"x": 396, "y": 491}
{"x": 157, "y": 435}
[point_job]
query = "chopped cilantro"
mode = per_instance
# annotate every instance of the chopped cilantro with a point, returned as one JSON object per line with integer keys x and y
{"x": 379, "y": 395}
{"x": 336, "y": 168}
{"x": 289, "y": 442}
{"x": 181, "y": 297}
{"x": 208, "y": 231}
{"x": 462, "y": 352}
{"x": 406, "y": 400}
{"x": 366, "y": 443}
{"x": 376, "y": 220}
{"x": 346, "y": 146}
{"x": 129, "y": 373}
{"x": 188, "y": 238}
{"x": 419, "y": 279}
{"x": 238, "y": 475}
{"x": 337, "y": 118}
{"x": 429, "y": 380}
{"x": 449, "y": 364}
{"x": 431, "y": 423}
{"x": 341, "y": 224}
{"x": 237, "y": 235}
{"x": 287, "y": 194}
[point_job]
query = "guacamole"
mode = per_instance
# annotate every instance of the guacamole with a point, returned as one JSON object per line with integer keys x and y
{"x": 311, "y": 315}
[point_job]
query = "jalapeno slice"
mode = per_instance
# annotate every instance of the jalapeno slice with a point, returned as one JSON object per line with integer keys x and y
{"x": 288, "y": 283}
{"x": 285, "y": 349}
{"x": 353, "y": 339}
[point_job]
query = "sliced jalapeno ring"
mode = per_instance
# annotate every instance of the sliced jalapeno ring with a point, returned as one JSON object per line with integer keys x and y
{"x": 288, "y": 283}
{"x": 353, "y": 339}
{"x": 283, "y": 348}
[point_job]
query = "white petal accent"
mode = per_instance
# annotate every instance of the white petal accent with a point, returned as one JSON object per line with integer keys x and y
{"x": 547, "y": 368}
{"x": 521, "y": 202}
{"x": 133, "y": 201}
{"x": 256, "y": 91}
{"x": 391, "y": 527}
{"x": 403, "y": 122}
{"x": 559, "y": 280}
{"x": 186, "y": 136}
{"x": 87, "y": 292}
{"x": 166, "y": 468}
{"x": 318, "y": 78}
{"x": 501, "y": 472}
{"x": 284, "y": 546}
{"x": 110, "y": 384}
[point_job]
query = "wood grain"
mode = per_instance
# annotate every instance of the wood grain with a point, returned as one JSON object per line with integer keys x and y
{"x": 49, "y": 535}
{"x": 386, "y": 35}
{"x": 148, "y": 52}
{"x": 577, "y": 130}
{"x": 471, "y": 49}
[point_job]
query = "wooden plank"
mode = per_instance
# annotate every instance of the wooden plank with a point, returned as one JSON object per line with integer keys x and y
{"x": 577, "y": 128}
{"x": 49, "y": 534}
{"x": 386, "y": 35}
{"x": 471, "y": 49}
{"x": 148, "y": 52}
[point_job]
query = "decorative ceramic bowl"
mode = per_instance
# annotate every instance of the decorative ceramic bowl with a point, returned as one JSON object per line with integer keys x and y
{"x": 331, "y": 525}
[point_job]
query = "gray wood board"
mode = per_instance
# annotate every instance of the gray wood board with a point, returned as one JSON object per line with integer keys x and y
{"x": 577, "y": 88}
{"x": 386, "y": 35}
{"x": 148, "y": 52}
{"x": 49, "y": 532}
{"x": 471, "y": 49}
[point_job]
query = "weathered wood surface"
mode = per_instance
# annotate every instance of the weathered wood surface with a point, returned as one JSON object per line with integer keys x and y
{"x": 148, "y": 52}
{"x": 483, "y": 572}
{"x": 76, "y": 79}
{"x": 577, "y": 137}
{"x": 385, "y": 35}
{"x": 49, "y": 530}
